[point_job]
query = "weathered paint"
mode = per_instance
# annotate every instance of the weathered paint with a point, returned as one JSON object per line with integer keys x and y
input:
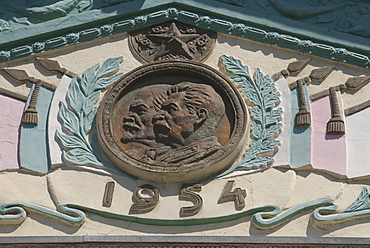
{"x": 300, "y": 137}
{"x": 358, "y": 137}
{"x": 10, "y": 120}
{"x": 282, "y": 156}
{"x": 34, "y": 153}
{"x": 329, "y": 151}
{"x": 53, "y": 122}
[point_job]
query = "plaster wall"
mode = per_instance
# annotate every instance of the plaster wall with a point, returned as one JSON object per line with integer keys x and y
{"x": 285, "y": 188}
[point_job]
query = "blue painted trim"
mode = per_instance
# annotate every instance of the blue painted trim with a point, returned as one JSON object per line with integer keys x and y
{"x": 300, "y": 137}
{"x": 34, "y": 145}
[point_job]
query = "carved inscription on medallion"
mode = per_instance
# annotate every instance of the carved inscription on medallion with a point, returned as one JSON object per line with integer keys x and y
{"x": 172, "y": 40}
{"x": 172, "y": 122}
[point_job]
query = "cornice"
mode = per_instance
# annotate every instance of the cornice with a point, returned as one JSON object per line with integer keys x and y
{"x": 181, "y": 241}
{"x": 133, "y": 15}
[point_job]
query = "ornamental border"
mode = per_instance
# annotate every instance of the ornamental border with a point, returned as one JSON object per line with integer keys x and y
{"x": 238, "y": 29}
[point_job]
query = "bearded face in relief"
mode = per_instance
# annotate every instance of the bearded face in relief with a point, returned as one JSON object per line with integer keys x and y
{"x": 137, "y": 124}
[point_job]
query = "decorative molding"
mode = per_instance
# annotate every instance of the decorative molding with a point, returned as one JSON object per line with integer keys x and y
{"x": 54, "y": 67}
{"x": 261, "y": 93}
{"x": 336, "y": 123}
{"x": 357, "y": 108}
{"x": 359, "y": 209}
{"x": 361, "y": 203}
{"x": 18, "y": 213}
{"x": 205, "y": 22}
{"x": 320, "y": 74}
{"x": 268, "y": 220}
{"x": 298, "y": 66}
{"x": 303, "y": 117}
{"x": 182, "y": 242}
{"x": 264, "y": 217}
{"x": 293, "y": 68}
{"x": 78, "y": 117}
{"x": 172, "y": 40}
{"x": 30, "y": 116}
{"x": 355, "y": 83}
{"x": 22, "y": 76}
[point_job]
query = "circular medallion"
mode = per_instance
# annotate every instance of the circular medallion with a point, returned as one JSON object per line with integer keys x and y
{"x": 172, "y": 122}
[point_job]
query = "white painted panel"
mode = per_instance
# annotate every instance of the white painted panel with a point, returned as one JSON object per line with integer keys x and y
{"x": 358, "y": 138}
{"x": 54, "y": 124}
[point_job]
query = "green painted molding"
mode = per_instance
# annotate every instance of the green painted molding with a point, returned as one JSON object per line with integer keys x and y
{"x": 180, "y": 221}
{"x": 134, "y": 15}
{"x": 361, "y": 203}
{"x": 271, "y": 219}
{"x": 16, "y": 213}
{"x": 264, "y": 217}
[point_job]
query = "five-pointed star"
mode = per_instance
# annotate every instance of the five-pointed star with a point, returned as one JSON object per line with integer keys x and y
{"x": 173, "y": 42}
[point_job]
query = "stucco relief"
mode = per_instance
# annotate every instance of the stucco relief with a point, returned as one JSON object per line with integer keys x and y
{"x": 172, "y": 40}
{"x": 172, "y": 122}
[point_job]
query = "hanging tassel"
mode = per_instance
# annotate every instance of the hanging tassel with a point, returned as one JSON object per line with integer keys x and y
{"x": 336, "y": 123}
{"x": 30, "y": 116}
{"x": 303, "y": 117}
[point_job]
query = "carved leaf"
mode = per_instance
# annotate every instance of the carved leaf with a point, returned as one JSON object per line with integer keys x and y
{"x": 235, "y": 66}
{"x": 109, "y": 66}
{"x": 269, "y": 145}
{"x": 256, "y": 113}
{"x": 256, "y": 162}
{"x": 75, "y": 96}
{"x": 362, "y": 202}
{"x": 256, "y": 130}
{"x": 271, "y": 100}
{"x": 82, "y": 96}
{"x": 90, "y": 102}
{"x": 79, "y": 156}
{"x": 88, "y": 80}
{"x": 263, "y": 95}
{"x": 70, "y": 120}
{"x": 270, "y": 131}
{"x": 273, "y": 115}
{"x": 253, "y": 98}
{"x": 103, "y": 83}
{"x": 70, "y": 141}
{"x": 89, "y": 121}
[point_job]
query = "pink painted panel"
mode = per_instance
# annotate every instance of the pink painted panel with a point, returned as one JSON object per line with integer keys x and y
{"x": 10, "y": 119}
{"x": 328, "y": 150}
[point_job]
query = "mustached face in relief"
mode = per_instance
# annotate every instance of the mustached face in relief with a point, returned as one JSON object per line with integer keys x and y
{"x": 138, "y": 123}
